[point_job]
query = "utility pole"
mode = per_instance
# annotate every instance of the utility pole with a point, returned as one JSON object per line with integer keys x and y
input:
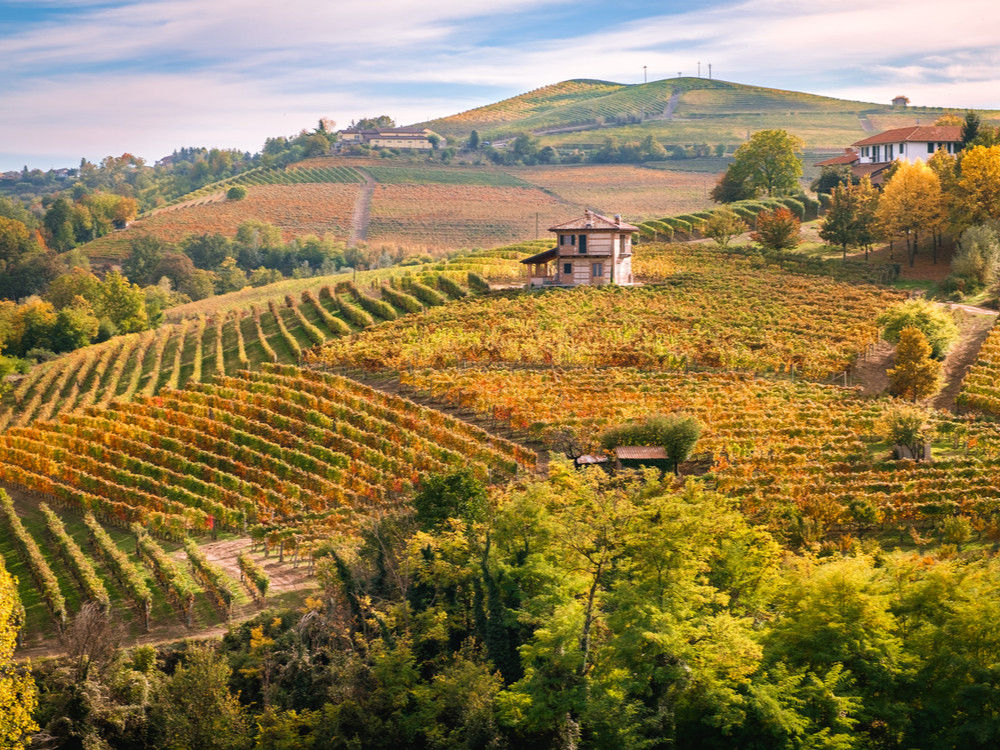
{"x": 644, "y": 74}
{"x": 699, "y": 68}
{"x": 710, "y": 71}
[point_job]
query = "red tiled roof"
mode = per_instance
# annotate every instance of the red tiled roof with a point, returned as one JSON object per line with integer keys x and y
{"x": 641, "y": 452}
{"x": 836, "y": 160}
{"x": 591, "y": 220}
{"x": 925, "y": 133}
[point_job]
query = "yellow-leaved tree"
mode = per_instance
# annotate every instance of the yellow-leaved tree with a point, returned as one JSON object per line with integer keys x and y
{"x": 912, "y": 204}
{"x": 916, "y": 375}
{"x": 18, "y": 695}
{"x": 980, "y": 183}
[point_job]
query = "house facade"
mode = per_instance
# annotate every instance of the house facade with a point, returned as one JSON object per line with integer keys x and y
{"x": 873, "y": 155}
{"x": 592, "y": 250}
{"x": 415, "y": 138}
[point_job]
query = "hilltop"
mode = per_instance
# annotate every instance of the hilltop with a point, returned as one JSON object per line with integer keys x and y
{"x": 675, "y": 110}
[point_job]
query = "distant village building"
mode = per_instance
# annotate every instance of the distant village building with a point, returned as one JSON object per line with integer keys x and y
{"x": 592, "y": 250}
{"x": 900, "y": 101}
{"x": 417, "y": 138}
{"x": 873, "y": 155}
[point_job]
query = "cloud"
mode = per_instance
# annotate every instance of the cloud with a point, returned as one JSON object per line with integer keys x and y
{"x": 97, "y": 78}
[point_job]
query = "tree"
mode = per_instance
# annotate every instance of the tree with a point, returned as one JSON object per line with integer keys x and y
{"x": 832, "y": 176}
{"x": 676, "y": 433}
{"x": 455, "y": 495}
{"x": 916, "y": 376}
{"x": 236, "y": 193}
{"x": 980, "y": 182}
{"x": 474, "y": 141}
{"x": 122, "y": 303}
{"x": 937, "y": 325}
{"x": 144, "y": 257}
{"x": 970, "y": 128}
{"x": 732, "y": 186}
{"x": 201, "y": 712}
{"x": 912, "y": 203}
{"x": 723, "y": 226}
{"x": 907, "y": 425}
{"x": 15, "y": 241}
{"x": 369, "y": 123}
{"x": 18, "y": 695}
{"x": 769, "y": 162}
{"x": 978, "y": 255}
{"x": 777, "y": 230}
{"x": 840, "y": 224}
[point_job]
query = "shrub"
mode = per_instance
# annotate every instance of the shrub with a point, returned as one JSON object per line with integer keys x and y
{"x": 236, "y": 193}
{"x": 937, "y": 326}
{"x": 777, "y": 230}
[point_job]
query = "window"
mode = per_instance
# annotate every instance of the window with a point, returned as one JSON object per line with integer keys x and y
{"x": 930, "y": 148}
{"x": 568, "y": 268}
{"x": 888, "y": 152}
{"x": 902, "y": 149}
{"x": 598, "y": 270}
{"x": 567, "y": 239}
{"x": 583, "y": 244}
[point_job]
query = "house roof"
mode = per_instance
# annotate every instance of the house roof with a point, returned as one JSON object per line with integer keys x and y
{"x": 924, "y": 133}
{"x": 838, "y": 160}
{"x": 641, "y": 452}
{"x": 543, "y": 257}
{"x": 591, "y": 220}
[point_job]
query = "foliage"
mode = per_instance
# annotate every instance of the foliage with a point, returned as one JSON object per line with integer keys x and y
{"x": 777, "y": 230}
{"x": 723, "y": 226}
{"x": 912, "y": 203}
{"x": 978, "y": 254}
{"x": 18, "y": 694}
{"x": 937, "y": 324}
{"x": 830, "y": 177}
{"x": 980, "y": 182}
{"x": 908, "y": 426}
{"x": 676, "y": 433}
{"x": 236, "y": 193}
{"x": 850, "y": 217}
{"x": 444, "y": 496}
{"x": 768, "y": 164}
{"x": 916, "y": 375}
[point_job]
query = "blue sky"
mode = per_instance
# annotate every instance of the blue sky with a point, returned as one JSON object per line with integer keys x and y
{"x": 90, "y": 78}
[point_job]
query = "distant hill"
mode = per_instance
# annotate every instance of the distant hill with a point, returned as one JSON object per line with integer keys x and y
{"x": 675, "y": 110}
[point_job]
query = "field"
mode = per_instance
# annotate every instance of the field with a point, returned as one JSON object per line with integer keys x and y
{"x": 980, "y": 389}
{"x": 323, "y": 209}
{"x": 714, "y": 310}
{"x": 804, "y": 458}
{"x": 445, "y": 216}
{"x": 638, "y": 193}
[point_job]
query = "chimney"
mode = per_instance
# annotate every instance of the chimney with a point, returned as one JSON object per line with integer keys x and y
{"x": 618, "y": 219}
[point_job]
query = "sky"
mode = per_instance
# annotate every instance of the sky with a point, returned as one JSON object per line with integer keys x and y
{"x": 92, "y": 78}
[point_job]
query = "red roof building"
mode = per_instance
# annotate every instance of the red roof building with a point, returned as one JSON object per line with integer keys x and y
{"x": 873, "y": 155}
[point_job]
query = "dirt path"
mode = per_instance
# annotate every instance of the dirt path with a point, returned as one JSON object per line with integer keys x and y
{"x": 362, "y": 210}
{"x": 869, "y": 373}
{"x": 668, "y": 113}
{"x": 973, "y": 329}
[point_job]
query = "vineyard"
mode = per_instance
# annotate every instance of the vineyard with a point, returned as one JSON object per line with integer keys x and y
{"x": 268, "y": 325}
{"x": 65, "y": 560}
{"x": 320, "y": 208}
{"x": 638, "y": 193}
{"x": 443, "y": 216}
{"x": 980, "y": 389}
{"x": 712, "y": 311}
{"x": 805, "y": 458}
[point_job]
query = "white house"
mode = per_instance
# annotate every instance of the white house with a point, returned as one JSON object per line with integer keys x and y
{"x": 592, "y": 250}
{"x": 873, "y": 155}
{"x": 418, "y": 138}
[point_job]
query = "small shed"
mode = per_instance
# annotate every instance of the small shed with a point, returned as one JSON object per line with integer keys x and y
{"x": 635, "y": 456}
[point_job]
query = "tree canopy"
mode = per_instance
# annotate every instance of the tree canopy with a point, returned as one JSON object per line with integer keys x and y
{"x": 768, "y": 164}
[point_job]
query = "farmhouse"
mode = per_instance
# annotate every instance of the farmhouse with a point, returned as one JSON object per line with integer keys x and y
{"x": 873, "y": 155}
{"x": 418, "y": 138}
{"x": 592, "y": 249}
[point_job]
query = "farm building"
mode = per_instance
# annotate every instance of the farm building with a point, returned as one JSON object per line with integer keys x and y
{"x": 592, "y": 250}
{"x": 873, "y": 155}
{"x": 418, "y": 138}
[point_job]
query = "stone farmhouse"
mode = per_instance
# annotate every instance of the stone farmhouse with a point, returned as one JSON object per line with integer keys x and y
{"x": 415, "y": 138}
{"x": 592, "y": 250}
{"x": 873, "y": 155}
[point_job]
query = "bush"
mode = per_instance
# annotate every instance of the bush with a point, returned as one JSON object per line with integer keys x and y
{"x": 676, "y": 433}
{"x": 236, "y": 193}
{"x": 937, "y": 325}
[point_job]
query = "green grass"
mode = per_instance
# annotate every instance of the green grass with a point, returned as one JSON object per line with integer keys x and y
{"x": 404, "y": 173}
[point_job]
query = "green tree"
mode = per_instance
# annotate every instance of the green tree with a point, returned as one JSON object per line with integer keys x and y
{"x": 770, "y": 162}
{"x": 456, "y": 495}
{"x": 937, "y": 324}
{"x": 59, "y": 223}
{"x": 723, "y": 226}
{"x": 908, "y": 426}
{"x": 145, "y": 254}
{"x": 732, "y": 186}
{"x": 122, "y": 303}
{"x": 916, "y": 375}
{"x": 970, "y": 128}
{"x": 236, "y": 193}
{"x": 978, "y": 255}
{"x": 474, "y": 141}
{"x": 832, "y": 176}
{"x": 840, "y": 224}
{"x": 18, "y": 695}
{"x": 200, "y": 711}
{"x": 777, "y": 230}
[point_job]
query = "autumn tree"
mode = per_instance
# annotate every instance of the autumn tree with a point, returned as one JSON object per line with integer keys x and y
{"x": 936, "y": 324}
{"x": 916, "y": 375}
{"x": 723, "y": 226}
{"x": 122, "y": 303}
{"x": 850, "y": 219}
{"x": 777, "y": 230}
{"x": 912, "y": 203}
{"x": 768, "y": 164}
{"x": 18, "y": 695}
{"x": 907, "y": 425}
{"x": 980, "y": 182}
